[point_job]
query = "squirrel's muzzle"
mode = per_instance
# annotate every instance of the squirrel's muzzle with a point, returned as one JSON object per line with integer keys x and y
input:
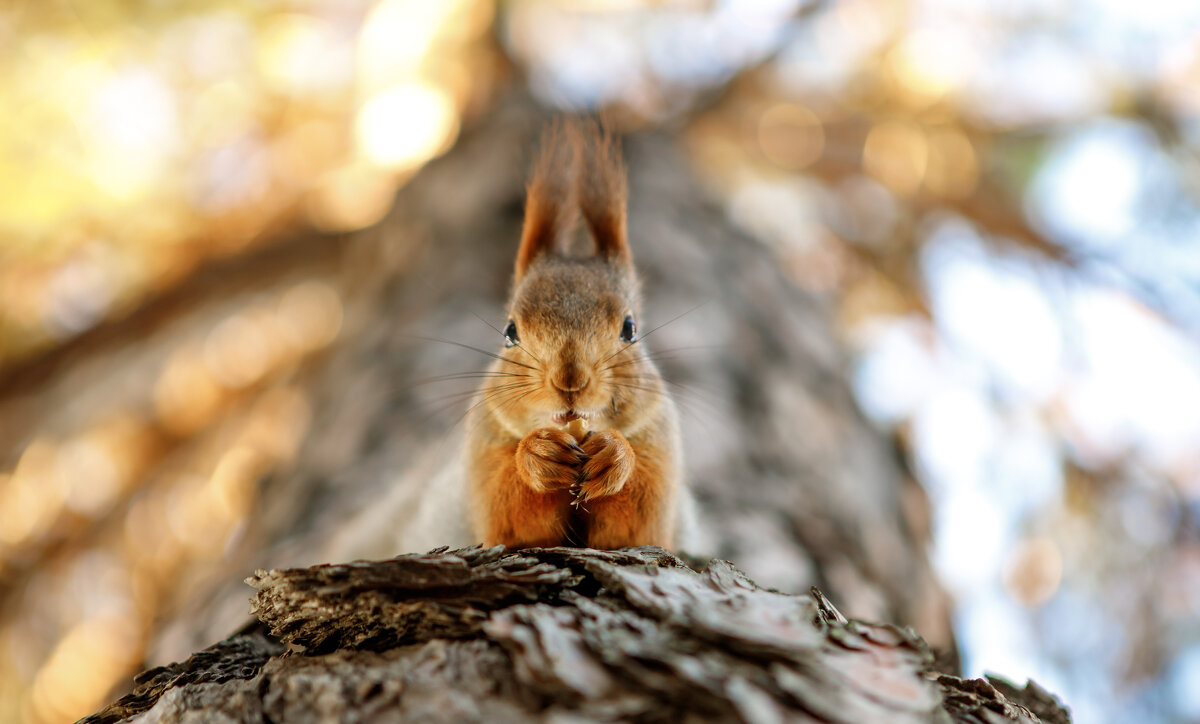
{"x": 570, "y": 379}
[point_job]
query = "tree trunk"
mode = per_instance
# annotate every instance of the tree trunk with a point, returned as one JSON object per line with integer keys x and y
{"x": 560, "y": 634}
{"x": 794, "y": 485}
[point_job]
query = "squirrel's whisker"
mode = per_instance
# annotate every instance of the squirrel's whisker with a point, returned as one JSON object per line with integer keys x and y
{"x": 693, "y": 394}
{"x": 493, "y": 355}
{"x": 500, "y": 332}
{"x": 466, "y": 394}
{"x": 685, "y": 404}
{"x": 641, "y": 337}
{"x": 531, "y": 354}
{"x": 661, "y": 354}
{"x": 494, "y": 328}
{"x": 458, "y": 397}
{"x": 512, "y": 399}
{"x": 480, "y": 374}
{"x": 493, "y": 395}
{"x": 674, "y": 319}
{"x": 483, "y": 375}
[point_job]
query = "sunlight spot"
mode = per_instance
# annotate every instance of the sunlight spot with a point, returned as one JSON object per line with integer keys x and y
{"x": 237, "y": 352}
{"x": 234, "y": 479}
{"x": 897, "y": 372}
{"x": 186, "y": 397}
{"x": 897, "y": 154}
{"x": 29, "y": 500}
{"x": 84, "y": 666}
{"x": 969, "y": 535}
{"x": 310, "y": 315}
{"x": 995, "y": 309}
{"x": 302, "y": 54}
{"x": 399, "y": 34}
{"x": 133, "y": 132}
{"x": 406, "y": 125}
{"x": 349, "y": 198}
{"x": 1138, "y": 384}
{"x": 953, "y": 433}
{"x": 1184, "y": 678}
{"x": 953, "y": 166}
{"x": 932, "y": 62}
{"x": 1087, "y": 191}
{"x": 87, "y": 475}
{"x": 1033, "y": 571}
{"x": 790, "y": 135}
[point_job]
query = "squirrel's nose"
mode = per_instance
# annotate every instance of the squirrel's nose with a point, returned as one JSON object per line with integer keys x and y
{"x": 570, "y": 380}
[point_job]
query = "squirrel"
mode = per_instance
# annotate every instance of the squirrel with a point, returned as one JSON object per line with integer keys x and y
{"x": 574, "y": 438}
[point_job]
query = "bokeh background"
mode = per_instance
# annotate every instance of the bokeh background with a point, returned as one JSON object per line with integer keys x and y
{"x": 999, "y": 202}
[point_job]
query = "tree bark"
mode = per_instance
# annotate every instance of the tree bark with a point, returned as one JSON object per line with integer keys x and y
{"x": 560, "y": 634}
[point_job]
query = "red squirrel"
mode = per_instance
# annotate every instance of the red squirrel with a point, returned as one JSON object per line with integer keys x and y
{"x": 574, "y": 438}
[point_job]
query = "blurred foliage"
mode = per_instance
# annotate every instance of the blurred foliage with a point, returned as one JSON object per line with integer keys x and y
{"x": 143, "y": 142}
{"x": 146, "y": 140}
{"x": 998, "y": 200}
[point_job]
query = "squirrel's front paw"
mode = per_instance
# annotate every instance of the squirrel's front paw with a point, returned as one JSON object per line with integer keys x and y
{"x": 608, "y": 467}
{"x": 549, "y": 459}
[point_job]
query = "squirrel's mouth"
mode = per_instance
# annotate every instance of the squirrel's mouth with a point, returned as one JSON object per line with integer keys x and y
{"x": 562, "y": 418}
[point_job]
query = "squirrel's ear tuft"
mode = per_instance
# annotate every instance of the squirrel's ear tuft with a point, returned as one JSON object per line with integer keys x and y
{"x": 602, "y": 188}
{"x": 549, "y": 196}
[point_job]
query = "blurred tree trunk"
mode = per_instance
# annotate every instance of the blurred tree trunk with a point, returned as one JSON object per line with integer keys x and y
{"x": 795, "y": 486}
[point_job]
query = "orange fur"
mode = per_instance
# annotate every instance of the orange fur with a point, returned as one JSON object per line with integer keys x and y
{"x": 602, "y": 189}
{"x": 550, "y": 196}
{"x": 528, "y": 476}
{"x": 514, "y": 513}
{"x": 640, "y": 511}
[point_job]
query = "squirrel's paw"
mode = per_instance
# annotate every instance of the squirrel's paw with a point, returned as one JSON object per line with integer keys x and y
{"x": 609, "y": 465}
{"x": 549, "y": 459}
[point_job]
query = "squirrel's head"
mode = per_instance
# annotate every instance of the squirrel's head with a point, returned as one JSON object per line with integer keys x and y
{"x": 571, "y": 341}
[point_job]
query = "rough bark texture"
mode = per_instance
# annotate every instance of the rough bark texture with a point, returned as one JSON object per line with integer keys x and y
{"x": 560, "y": 634}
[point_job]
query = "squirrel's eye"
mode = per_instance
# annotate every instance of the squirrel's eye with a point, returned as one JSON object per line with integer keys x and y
{"x": 628, "y": 331}
{"x": 510, "y": 335}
